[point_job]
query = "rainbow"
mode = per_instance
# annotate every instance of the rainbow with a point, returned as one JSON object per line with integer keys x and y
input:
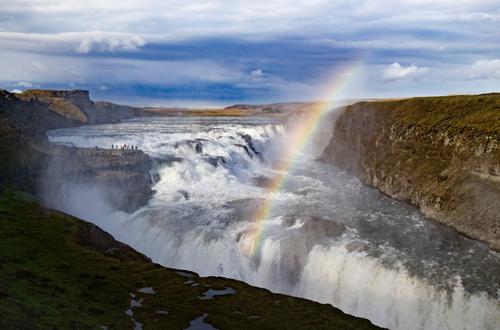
{"x": 298, "y": 138}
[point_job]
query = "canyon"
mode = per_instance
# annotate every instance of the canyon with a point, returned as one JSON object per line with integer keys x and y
{"x": 186, "y": 196}
{"x": 60, "y": 271}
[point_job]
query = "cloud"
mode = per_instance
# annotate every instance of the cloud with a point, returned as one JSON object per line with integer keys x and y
{"x": 24, "y": 84}
{"x": 258, "y": 18}
{"x": 20, "y": 86}
{"x": 264, "y": 43}
{"x": 105, "y": 42}
{"x": 102, "y": 70}
{"x": 485, "y": 69}
{"x": 71, "y": 42}
{"x": 395, "y": 71}
{"x": 256, "y": 73}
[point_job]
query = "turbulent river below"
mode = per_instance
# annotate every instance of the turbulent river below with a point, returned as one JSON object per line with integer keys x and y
{"x": 327, "y": 237}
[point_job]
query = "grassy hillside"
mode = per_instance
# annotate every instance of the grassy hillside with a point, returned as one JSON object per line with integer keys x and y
{"x": 60, "y": 272}
{"x": 458, "y": 112}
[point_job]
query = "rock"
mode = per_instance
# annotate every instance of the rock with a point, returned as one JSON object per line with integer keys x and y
{"x": 263, "y": 181}
{"x": 316, "y": 227}
{"x": 439, "y": 153}
{"x": 28, "y": 162}
{"x": 215, "y": 161}
{"x": 29, "y": 117}
{"x": 244, "y": 147}
{"x": 198, "y": 148}
{"x": 249, "y": 142}
{"x": 184, "y": 194}
{"x": 76, "y": 105}
{"x": 110, "y": 112}
{"x": 68, "y": 104}
{"x": 122, "y": 176}
{"x": 92, "y": 236}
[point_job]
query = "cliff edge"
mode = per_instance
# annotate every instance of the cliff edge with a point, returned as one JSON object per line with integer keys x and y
{"x": 439, "y": 153}
{"x": 28, "y": 162}
{"x": 77, "y": 105}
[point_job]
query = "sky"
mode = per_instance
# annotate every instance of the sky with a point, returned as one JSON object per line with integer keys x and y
{"x": 211, "y": 53}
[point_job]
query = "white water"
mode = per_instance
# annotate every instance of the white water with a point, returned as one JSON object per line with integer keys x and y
{"x": 329, "y": 238}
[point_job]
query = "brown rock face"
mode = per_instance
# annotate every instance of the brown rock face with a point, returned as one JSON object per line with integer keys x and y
{"x": 64, "y": 103}
{"x": 441, "y": 154}
{"x": 77, "y": 105}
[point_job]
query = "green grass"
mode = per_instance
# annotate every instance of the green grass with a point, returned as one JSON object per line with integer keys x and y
{"x": 55, "y": 273}
{"x": 458, "y": 113}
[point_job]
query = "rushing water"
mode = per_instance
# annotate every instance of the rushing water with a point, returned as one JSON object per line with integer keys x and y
{"x": 328, "y": 238}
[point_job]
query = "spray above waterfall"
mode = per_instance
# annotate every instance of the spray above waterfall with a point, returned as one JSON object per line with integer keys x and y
{"x": 298, "y": 138}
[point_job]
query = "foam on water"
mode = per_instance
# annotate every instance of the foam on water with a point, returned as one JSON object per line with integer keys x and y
{"x": 329, "y": 238}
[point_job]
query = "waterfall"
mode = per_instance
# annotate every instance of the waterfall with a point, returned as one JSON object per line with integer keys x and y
{"x": 329, "y": 238}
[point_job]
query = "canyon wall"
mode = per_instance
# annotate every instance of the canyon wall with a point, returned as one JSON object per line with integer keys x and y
{"x": 28, "y": 162}
{"x": 77, "y": 105}
{"x": 439, "y": 153}
{"x": 119, "y": 178}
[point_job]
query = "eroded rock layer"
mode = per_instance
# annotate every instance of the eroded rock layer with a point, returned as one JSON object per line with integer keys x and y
{"x": 440, "y": 153}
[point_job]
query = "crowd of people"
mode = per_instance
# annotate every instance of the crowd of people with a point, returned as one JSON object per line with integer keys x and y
{"x": 124, "y": 147}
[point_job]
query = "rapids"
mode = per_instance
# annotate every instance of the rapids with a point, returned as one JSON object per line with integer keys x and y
{"x": 328, "y": 237}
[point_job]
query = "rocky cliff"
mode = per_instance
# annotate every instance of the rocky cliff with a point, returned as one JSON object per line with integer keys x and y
{"x": 122, "y": 177}
{"x": 439, "y": 153}
{"x": 29, "y": 163}
{"x": 77, "y": 105}
{"x": 28, "y": 117}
